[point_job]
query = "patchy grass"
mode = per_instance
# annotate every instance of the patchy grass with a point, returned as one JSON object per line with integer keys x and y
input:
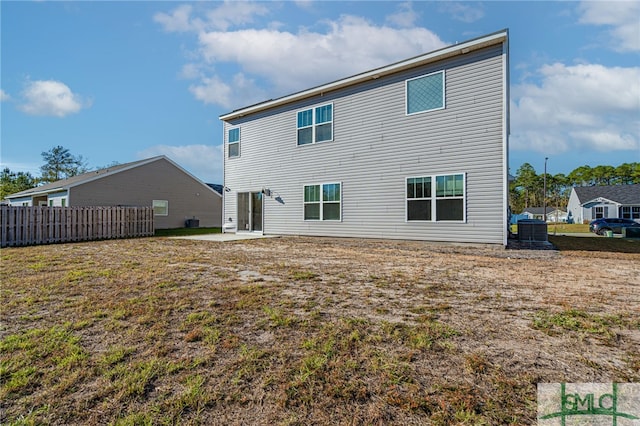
{"x": 162, "y": 331}
{"x": 586, "y": 324}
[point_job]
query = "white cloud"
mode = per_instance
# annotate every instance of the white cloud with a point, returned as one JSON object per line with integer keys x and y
{"x": 405, "y": 17}
{"x": 212, "y": 90}
{"x": 191, "y": 71}
{"x": 585, "y": 106}
{"x": 177, "y": 21}
{"x": 4, "y": 96}
{"x": 623, "y": 16}
{"x": 233, "y": 13}
{"x": 283, "y": 61}
{"x": 229, "y": 13}
{"x": 52, "y": 98}
{"x": 202, "y": 161}
{"x": 294, "y": 61}
{"x": 463, "y": 12}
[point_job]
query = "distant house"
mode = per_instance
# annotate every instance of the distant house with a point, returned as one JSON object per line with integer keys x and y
{"x": 587, "y": 203}
{"x": 553, "y": 215}
{"x": 158, "y": 182}
{"x": 412, "y": 150}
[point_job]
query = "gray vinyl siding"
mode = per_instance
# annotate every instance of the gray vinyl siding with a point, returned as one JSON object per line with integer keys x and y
{"x": 375, "y": 147}
{"x": 157, "y": 180}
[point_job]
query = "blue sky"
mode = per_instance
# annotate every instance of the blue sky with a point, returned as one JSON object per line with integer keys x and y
{"x": 122, "y": 81}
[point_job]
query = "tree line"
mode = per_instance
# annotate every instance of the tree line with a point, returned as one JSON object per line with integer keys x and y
{"x": 59, "y": 163}
{"x": 527, "y": 188}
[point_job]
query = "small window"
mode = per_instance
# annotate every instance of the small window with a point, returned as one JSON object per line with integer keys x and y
{"x": 50, "y": 203}
{"x": 419, "y": 198}
{"x": 331, "y": 201}
{"x": 600, "y": 212}
{"x": 160, "y": 207}
{"x": 315, "y": 125}
{"x": 64, "y": 202}
{"x": 425, "y": 93}
{"x": 322, "y": 202}
{"x": 450, "y": 197}
{"x": 312, "y": 202}
{"x": 233, "y": 141}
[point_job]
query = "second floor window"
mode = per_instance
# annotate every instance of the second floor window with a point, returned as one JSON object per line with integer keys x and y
{"x": 425, "y": 93}
{"x": 234, "y": 142}
{"x": 315, "y": 125}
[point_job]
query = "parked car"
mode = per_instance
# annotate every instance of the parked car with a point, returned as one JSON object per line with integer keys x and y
{"x": 600, "y": 226}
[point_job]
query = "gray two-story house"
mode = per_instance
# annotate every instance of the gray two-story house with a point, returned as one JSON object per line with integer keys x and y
{"x": 413, "y": 150}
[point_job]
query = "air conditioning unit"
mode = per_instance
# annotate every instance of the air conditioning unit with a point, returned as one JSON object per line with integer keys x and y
{"x": 532, "y": 230}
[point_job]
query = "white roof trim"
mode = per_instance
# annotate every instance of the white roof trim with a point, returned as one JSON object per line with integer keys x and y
{"x": 600, "y": 200}
{"x": 454, "y": 50}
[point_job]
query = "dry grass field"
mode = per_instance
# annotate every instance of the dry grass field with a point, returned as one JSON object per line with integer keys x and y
{"x": 306, "y": 331}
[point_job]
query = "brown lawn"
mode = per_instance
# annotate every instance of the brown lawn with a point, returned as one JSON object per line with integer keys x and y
{"x": 300, "y": 331}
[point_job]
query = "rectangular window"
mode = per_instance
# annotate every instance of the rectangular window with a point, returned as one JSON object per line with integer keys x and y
{"x": 436, "y": 198}
{"x": 160, "y": 207}
{"x": 419, "y": 198}
{"x": 315, "y": 125}
{"x": 312, "y": 202}
{"x": 322, "y": 202}
{"x": 600, "y": 212}
{"x": 630, "y": 212}
{"x": 450, "y": 197}
{"x": 425, "y": 93}
{"x": 64, "y": 202}
{"x": 233, "y": 141}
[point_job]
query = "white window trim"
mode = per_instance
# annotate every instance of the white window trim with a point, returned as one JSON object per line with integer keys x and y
{"x": 230, "y": 143}
{"x": 406, "y": 199}
{"x": 444, "y": 91}
{"x": 314, "y": 124}
{"x": 434, "y": 198}
{"x": 625, "y": 211}
{"x": 321, "y": 202}
{"x": 166, "y": 205}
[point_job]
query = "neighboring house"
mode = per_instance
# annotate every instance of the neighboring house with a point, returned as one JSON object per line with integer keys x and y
{"x": 412, "y": 150}
{"x": 174, "y": 193}
{"x": 587, "y": 203}
{"x": 553, "y": 215}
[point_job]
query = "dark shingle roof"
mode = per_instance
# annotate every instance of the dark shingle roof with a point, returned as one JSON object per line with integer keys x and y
{"x": 216, "y": 187}
{"x": 623, "y": 194}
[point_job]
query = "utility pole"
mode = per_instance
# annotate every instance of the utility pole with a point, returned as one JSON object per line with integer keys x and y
{"x": 544, "y": 192}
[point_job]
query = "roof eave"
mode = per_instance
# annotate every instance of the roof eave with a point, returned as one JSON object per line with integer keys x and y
{"x": 438, "y": 55}
{"x": 600, "y": 200}
{"x": 36, "y": 193}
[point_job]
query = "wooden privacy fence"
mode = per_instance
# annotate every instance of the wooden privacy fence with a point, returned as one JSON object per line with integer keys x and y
{"x": 23, "y": 226}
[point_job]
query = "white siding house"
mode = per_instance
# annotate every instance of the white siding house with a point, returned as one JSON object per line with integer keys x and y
{"x": 553, "y": 215}
{"x": 593, "y": 202}
{"x": 413, "y": 150}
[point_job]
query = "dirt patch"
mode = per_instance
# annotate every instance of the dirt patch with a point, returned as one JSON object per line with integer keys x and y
{"x": 307, "y": 331}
